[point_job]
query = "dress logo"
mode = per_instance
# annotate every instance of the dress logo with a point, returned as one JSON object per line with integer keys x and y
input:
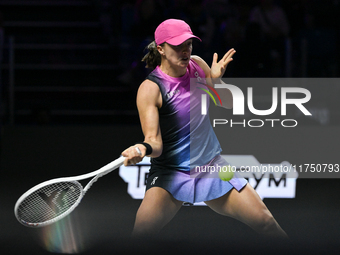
{"x": 154, "y": 180}
{"x": 197, "y": 76}
{"x": 172, "y": 93}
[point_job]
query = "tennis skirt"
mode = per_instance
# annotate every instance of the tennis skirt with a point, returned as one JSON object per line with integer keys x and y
{"x": 191, "y": 187}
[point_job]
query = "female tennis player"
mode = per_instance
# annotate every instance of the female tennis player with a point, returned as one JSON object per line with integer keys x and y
{"x": 178, "y": 137}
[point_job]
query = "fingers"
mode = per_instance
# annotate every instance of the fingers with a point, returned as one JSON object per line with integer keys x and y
{"x": 218, "y": 68}
{"x": 132, "y": 155}
{"x": 138, "y": 151}
{"x": 228, "y": 56}
{"x": 215, "y": 57}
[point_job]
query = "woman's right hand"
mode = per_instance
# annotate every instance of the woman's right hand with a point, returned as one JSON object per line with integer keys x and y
{"x": 133, "y": 154}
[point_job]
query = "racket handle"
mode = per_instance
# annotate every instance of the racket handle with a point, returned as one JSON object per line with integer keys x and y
{"x": 112, "y": 165}
{"x": 118, "y": 162}
{"x": 105, "y": 170}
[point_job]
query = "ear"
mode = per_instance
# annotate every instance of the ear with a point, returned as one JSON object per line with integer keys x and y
{"x": 160, "y": 50}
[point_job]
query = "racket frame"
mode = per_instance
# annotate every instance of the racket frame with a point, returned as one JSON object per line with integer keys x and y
{"x": 97, "y": 174}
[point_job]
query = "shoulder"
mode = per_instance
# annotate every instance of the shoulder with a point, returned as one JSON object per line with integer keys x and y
{"x": 197, "y": 59}
{"x": 202, "y": 64}
{"x": 148, "y": 87}
{"x": 148, "y": 92}
{"x": 148, "y": 84}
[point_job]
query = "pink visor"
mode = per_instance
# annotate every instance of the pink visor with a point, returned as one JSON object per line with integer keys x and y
{"x": 174, "y": 32}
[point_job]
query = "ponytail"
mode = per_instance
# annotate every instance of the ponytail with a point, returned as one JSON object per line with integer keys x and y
{"x": 153, "y": 57}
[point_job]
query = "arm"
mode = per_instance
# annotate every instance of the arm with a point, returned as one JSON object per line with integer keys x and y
{"x": 148, "y": 101}
{"x": 215, "y": 73}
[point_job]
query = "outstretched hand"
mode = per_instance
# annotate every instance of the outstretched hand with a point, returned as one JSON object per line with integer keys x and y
{"x": 218, "y": 68}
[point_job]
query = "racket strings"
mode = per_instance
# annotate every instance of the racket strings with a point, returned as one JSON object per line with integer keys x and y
{"x": 49, "y": 202}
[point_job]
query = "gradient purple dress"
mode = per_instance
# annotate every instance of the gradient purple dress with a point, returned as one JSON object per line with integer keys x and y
{"x": 188, "y": 140}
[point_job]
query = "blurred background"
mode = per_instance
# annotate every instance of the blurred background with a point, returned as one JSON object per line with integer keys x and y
{"x": 69, "y": 73}
{"x": 79, "y": 61}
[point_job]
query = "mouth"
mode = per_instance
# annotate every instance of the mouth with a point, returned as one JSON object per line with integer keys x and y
{"x": 185, "y": 59}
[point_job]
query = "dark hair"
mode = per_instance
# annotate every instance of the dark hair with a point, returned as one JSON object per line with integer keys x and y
{"x": 153, "y": 57}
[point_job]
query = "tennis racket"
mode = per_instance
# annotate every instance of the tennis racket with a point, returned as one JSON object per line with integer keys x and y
{"x": 52, "y": 200}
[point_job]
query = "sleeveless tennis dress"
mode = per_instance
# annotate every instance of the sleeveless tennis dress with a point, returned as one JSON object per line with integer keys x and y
{"x": 189, "y": 141}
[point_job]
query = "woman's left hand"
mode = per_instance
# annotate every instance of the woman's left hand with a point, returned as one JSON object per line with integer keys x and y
{"x": 218, "y": 68}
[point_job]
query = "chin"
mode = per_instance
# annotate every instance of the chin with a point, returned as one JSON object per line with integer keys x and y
{"x": 184, "y": 64}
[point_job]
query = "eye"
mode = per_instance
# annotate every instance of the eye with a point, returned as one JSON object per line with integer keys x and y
{"x": 189, "y": 44}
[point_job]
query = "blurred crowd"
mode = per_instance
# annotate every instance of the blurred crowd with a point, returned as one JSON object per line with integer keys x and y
{"x": 258, "y": 29}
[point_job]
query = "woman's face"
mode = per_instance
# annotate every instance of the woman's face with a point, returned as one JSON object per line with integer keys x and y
{"x": 177, "y": 56}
